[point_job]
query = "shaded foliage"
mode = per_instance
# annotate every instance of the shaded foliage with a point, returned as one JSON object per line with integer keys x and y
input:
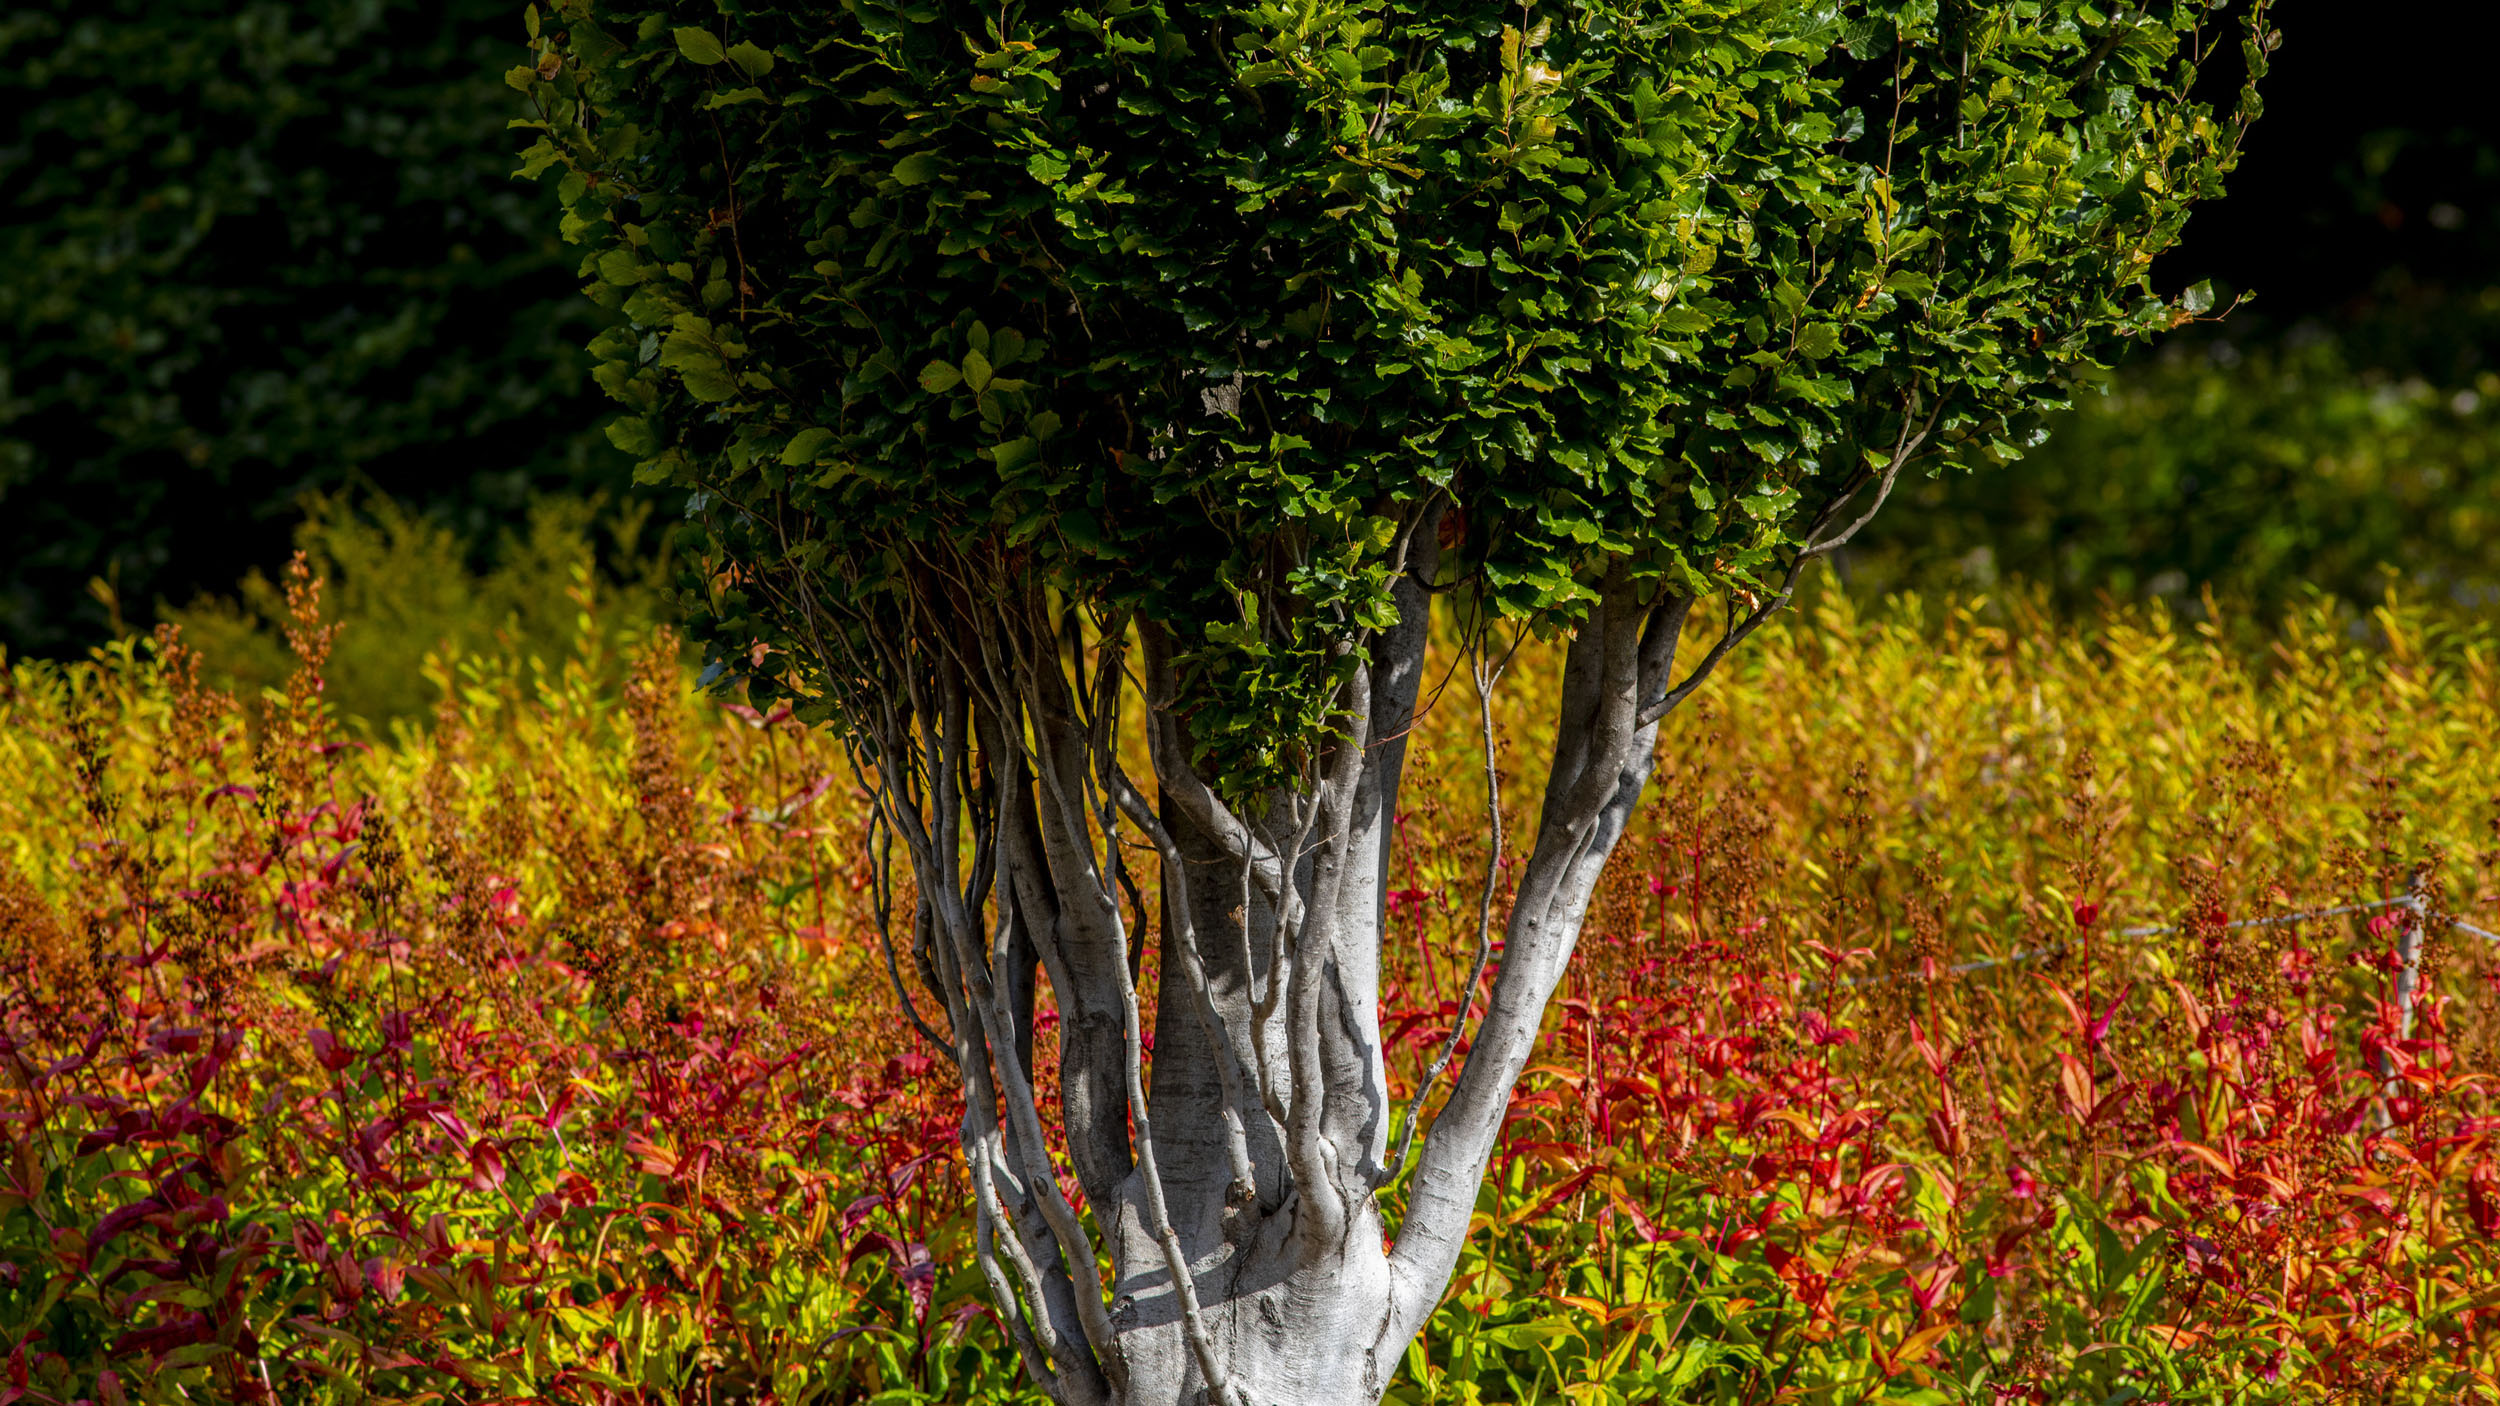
{"x": 2261, "y": 471}
{"x": 251, "y": 250}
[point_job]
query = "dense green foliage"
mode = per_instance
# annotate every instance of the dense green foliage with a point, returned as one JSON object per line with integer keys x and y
{"x": 1197, "y": 313}
{"x": 249, "y": 250}
{"x": 2374, "y": 176}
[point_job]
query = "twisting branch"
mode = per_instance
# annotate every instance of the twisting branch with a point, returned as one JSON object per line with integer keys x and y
{"x": 1260, "y": 1070}
{"x": 881, "y": 905}
{"x": 1904, "y": 449}
{"x": 1105, "y": 774}
{"x": 1322, "y": 1221}
{"x": 930, "y": 745}
{"x": 1051, "y": 835}
{"x": 990, "y": 1215}
{"x": 1181, "y": 784}
{"x": 1815, "y": 545}
{"x": 1158, "y": 1212}
{"x": 1485, "y": 679}
{"x": 1301, "y": 816}
{"x": 1076, "y": 1246}
{"x": 1602, "y": 759}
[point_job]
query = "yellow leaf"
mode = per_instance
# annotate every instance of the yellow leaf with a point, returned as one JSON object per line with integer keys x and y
{"x": 1916, "y": 1346}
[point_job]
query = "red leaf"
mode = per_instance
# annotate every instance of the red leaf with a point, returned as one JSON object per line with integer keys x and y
{"x": 2074, "y": 1080}
{"x": 487, "y": 1165}
{"x": 332, "y": 1055}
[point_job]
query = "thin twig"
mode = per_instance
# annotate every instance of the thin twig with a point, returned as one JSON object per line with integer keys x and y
{"x": 1484, "y": 919}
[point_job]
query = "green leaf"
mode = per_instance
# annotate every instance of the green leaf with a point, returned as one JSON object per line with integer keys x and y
{"x": 1818, "y": 340}
{"x": 699, "y": 46}
{"x": 805, "y": 445}
{"x": 977, "y": 371}
{"x": 633, "y": 435}
{"x": 2199, "y": 298}
{"x": 710, "y": 384}
{"x": 1015, "y": 453}
{"x": 751, "y": 60}
{"x": 1081, "y": 530}
{"x": 919, "y": 168}
{"x": 939, "y": 377}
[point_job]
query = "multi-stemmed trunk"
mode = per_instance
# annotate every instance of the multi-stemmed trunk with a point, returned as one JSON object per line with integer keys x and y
{"x": 1233, "y": 1180}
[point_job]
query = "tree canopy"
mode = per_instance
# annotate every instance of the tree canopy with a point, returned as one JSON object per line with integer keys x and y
{"x": 1194, "y": 306}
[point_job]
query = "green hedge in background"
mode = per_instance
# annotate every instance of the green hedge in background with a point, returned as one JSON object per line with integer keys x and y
{"x": 2333, "y": 460}
{"x": 254, "y": 250}
{"x": 249, "y": 250}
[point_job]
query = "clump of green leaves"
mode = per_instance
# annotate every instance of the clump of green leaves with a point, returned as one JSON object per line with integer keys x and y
{"x": 1199, "y": 313}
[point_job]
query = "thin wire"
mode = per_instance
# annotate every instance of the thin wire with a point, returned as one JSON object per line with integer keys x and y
{"x": 2034, "y": 954}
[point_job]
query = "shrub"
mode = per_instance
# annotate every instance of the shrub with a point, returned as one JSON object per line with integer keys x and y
{"x": 1007, "y": 355}
{"x": 547, "y": 1054}
{"x": 403, "y": 595}
{"x": 2257, "y": 470}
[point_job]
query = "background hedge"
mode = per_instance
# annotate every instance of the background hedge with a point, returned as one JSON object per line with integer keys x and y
{"x": 249, "y": 250}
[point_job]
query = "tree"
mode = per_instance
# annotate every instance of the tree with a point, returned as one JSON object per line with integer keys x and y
{"x": 1140, "y": 373}
{"x": 252, "y": 250}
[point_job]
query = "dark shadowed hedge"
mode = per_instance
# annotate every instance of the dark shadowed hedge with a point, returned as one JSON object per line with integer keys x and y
{"x": 252, "y": 249}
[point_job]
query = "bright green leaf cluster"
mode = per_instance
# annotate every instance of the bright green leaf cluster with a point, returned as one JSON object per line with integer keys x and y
{"x": 1197, "y": 312}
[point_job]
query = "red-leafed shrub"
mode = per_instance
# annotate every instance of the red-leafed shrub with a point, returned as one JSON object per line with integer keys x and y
{"x": 479, "y": 1068}
{"x": 550, "y": 1054}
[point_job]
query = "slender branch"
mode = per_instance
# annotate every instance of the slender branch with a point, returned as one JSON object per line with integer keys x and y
{"x": 1815, "y": 546}
{"x": 989, "y": 1212}
{"x": 1485, "y": 680}
{"x": 1105, "y": 772}
{"x": 1158, "y": 1213}
{"x": 1076, "y": 1246}
{"x": 1904, "y": 449}
{"x": 1585, "y": 812}
{"x": 881, "y": 905}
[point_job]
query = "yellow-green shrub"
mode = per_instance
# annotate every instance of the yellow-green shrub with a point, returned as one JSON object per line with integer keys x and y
{"x": 1735, "y": 1173}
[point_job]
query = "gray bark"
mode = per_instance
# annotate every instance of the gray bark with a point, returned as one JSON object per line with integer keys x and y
{"x": 1233, "y": 1191}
